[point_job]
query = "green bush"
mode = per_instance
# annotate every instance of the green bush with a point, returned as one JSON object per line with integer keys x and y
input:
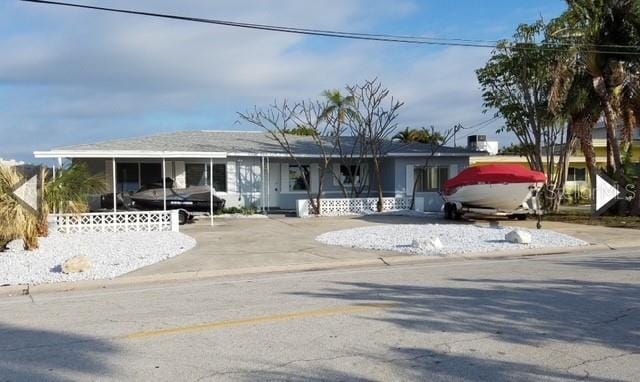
{"x": 239, "y": 210}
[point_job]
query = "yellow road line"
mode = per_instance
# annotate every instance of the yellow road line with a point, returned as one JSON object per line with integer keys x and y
{"x": 259, "y": 320}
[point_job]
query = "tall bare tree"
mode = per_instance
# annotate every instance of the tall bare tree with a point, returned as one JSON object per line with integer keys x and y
{"x": 279, "y": 120}
{"x": 375, "y": 121}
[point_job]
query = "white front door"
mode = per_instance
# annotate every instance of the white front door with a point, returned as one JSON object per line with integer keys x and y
{"x": 273, "y": 191}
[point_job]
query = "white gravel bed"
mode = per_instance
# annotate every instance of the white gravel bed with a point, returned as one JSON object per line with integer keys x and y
{"x": 458, "y": 239}
{"x": 111, "y": 254}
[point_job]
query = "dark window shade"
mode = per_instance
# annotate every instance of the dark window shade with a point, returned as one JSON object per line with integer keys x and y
{"x": 150, "y": 173}
{"x": 220, "y": 177}
{"x": 430, "y": 179}
{"x": 127, "y": 177}
{"x": 197, "y": 174}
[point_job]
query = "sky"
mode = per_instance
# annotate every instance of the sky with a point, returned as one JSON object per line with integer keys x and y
{"x": 70, "y": 76}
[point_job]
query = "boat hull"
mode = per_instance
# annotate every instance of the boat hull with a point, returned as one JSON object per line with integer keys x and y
{"x": 499, "y": 196}
{"x": 191, "y": 199}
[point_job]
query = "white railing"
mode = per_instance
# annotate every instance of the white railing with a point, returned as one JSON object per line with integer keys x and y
{"x": 125, "y": 221}
{"x": 358, "y": 206}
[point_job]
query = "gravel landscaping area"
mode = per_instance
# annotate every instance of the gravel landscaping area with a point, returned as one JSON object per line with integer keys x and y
{"x": 457, "y": 239}
{"x": 110, "y": 255}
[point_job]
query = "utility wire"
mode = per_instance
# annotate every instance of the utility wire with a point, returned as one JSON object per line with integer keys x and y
{"x": 355, "y": 36}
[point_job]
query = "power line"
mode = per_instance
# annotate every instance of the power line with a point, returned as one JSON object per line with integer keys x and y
{"x": 352, "y": 35}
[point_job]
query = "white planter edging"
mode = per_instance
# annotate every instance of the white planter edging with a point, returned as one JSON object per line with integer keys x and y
{"x": 124, "y": 221}
{"x": 356, "y": 206}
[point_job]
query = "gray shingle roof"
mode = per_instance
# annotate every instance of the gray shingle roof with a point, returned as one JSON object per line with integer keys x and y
{"x": 241, "y": 142}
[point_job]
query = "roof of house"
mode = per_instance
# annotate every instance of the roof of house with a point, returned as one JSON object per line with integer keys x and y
{"x": 225, "y": 143}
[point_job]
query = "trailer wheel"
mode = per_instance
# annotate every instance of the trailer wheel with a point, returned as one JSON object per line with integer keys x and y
{"x": 457, "y": 215}
{"x": 448, "y": 214}
{"x": 183, "y": 217}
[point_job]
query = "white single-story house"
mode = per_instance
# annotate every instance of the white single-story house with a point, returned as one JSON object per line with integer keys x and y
{"x": 251, "y": 169}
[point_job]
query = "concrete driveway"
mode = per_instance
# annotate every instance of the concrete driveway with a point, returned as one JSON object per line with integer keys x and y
{"x": 279, "y": 241}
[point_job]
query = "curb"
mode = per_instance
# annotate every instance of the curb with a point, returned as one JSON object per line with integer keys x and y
{"x": 399, "y": 260}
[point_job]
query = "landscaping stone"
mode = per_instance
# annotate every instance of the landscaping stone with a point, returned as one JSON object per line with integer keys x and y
{"x": 518, "y": 236}
{"x": 76, "y": 264}
{"x": 428, "y": 245}
{"x": 16, "y": 245}
{"x": 461, "y": 239}
{"x": 111, "y": 254}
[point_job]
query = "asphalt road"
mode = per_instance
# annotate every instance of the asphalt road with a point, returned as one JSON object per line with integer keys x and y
{"x": 559, "y": 317}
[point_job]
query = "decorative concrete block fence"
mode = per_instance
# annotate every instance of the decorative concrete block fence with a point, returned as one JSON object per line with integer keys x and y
{"x": 356, "y": 206}
{"x": 125, "y": 221}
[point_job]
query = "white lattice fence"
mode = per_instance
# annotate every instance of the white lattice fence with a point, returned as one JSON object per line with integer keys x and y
{"x": 359, "y": 206}
{"x": 126, "y": 221}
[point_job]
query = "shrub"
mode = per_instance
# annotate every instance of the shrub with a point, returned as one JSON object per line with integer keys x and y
{"x": 16, "y": 221}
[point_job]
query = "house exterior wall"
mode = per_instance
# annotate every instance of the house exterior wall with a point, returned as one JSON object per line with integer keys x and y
{"x": 404, "y": 177}
{"x": 247, "y": 188}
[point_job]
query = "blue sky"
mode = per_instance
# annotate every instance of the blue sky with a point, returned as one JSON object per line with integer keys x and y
{"x": 72, "y": 76}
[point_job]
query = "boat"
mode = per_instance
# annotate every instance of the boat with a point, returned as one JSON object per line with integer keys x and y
{"x": 151, "y": 197}
{"x": 194, "y": 198}
{"x": 509, "y": 190}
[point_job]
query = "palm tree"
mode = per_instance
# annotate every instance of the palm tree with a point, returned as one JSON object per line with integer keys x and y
{"x": 574, "y": 99}
{"x": 69, "y": 191}
{"x": 422, "y": 135}
{"x": 601, "y": 33}
{"x": 407, "y": 135}
{"x": 338, "y": 107}
{"x": 16, "y": 222}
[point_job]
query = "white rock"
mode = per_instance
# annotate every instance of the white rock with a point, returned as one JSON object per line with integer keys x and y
{"x": 518, "y": 236}
{"x": 15, "y": 245}
{"x": 112, "y": 254}
{"x": 431, "y": 245}
{"x": 76, "y": 264}
{"x": 460, "y": 239}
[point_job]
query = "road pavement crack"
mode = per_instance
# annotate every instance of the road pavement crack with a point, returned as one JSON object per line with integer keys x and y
{"x": 623, "y": 314}
{"x": 589, "y": 361}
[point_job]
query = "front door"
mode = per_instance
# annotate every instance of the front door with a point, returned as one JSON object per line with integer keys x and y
{"x": 273, "y": 192}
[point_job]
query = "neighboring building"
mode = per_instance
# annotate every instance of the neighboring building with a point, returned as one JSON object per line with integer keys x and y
{"x": 251, "y": 169}
{"x": 578, "y": 176}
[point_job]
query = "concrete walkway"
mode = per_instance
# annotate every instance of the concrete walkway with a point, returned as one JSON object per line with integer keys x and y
{"x": 276, "y": 242}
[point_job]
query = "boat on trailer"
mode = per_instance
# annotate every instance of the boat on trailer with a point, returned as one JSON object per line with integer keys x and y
{"x": 498, "y": 190}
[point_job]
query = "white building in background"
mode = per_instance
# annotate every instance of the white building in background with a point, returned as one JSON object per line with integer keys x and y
{"x": 10, "y": 162}
{"x": 480, "y": 143}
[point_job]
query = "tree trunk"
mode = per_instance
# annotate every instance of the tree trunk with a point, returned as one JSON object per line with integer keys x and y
{"x": 582, "y": 130}
{"x": 378, "y": 169}
{"x": 611, "y": 123}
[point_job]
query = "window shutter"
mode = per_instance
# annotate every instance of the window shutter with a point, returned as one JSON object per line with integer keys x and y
{"x": 314, "y": 174}
{"x": 453, "y": 170}
{"x": 409, "y": 180}
{"x": 284, "y": 177}
{"x": 180, "y": 177}
{"x": 336, "y": 174}
{"x": 231, "y": 177}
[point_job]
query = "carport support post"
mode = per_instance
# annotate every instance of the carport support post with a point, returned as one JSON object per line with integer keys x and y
{"x": 113, "y": 183}
{"x": 211, "y": 190}
{"x": 164, "y": 184}
{"x": 262, "y": 181}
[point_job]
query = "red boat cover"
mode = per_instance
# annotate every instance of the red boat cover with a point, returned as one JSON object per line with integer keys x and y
{"x": 494, "y": 173}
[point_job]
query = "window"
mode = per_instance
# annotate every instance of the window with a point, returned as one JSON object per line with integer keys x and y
{"x": 577, "y": 174}
{"x": 220, "y": 177}
{"x": 127, "y": 177}
{"x": 197, "y": 174}
{"x": 150, "y": 173}
{"x": 297, "y": 176}
{"x": 430, "y": 179}
{"x": 349, "y": 172}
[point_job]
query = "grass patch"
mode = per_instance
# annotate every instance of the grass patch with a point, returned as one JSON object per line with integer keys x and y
{"x": 583, "y": 217}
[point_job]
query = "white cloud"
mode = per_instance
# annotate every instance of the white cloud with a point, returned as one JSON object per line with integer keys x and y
{"x": 87, "y": 76}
